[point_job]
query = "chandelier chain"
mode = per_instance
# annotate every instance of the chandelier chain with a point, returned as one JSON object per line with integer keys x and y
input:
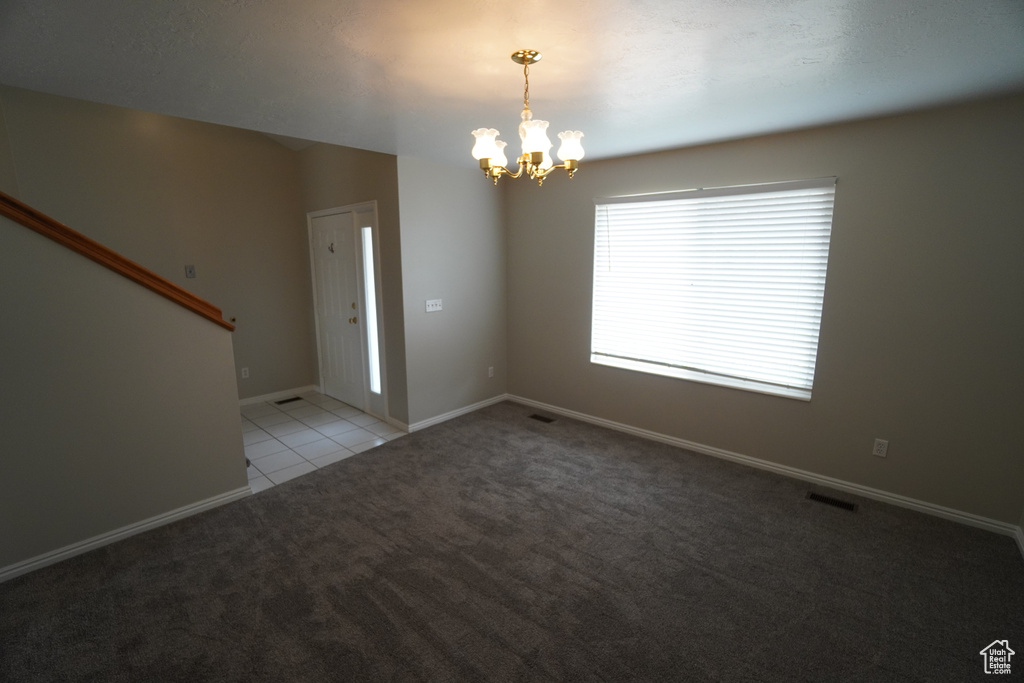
{"x": 526, "y": 89}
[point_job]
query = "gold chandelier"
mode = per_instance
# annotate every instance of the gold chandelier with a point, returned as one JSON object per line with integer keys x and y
{"x": 535, "y": 161}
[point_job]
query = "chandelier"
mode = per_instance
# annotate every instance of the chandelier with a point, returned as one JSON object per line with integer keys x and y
{"x": 535, "y": 161}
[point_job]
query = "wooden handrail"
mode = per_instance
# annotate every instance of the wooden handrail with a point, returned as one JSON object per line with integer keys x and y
{"x": 58, "y": 232}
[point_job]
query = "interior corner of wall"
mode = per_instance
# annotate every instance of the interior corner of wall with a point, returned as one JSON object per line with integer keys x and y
{"x": 8, "y": 170}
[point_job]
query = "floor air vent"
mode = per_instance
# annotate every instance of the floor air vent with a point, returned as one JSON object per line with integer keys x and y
{"x": 287, "y": 400}
{"x": 834, "y": 502}
{"x": 542, "y": 418}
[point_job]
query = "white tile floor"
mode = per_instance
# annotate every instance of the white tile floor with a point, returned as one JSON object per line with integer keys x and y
{"x": 287, "y": 440}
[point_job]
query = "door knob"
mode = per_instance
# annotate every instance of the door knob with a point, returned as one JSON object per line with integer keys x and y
{"x": 353, "y": 320}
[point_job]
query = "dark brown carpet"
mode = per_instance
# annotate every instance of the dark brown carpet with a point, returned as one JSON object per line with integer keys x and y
{"x": 497, "y": 548}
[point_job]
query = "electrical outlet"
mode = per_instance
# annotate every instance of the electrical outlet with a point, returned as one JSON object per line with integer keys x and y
{"x": 881, "y": 448}
{"x": 433, "y": 305}
{"x": 245, "y": 373}
{"x": 490, "y": 371}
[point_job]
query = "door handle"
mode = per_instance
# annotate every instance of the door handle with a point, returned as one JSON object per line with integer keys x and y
{"x": 353, "y": 320}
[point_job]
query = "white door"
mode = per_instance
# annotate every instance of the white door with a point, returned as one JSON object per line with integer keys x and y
{"x": 336, "y": 293}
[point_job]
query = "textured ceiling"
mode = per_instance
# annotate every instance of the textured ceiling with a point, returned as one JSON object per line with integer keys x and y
{"x": 413, "y": 77}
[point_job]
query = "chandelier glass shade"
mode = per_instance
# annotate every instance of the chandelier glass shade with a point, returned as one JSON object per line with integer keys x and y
{"x": 535, "y": 160}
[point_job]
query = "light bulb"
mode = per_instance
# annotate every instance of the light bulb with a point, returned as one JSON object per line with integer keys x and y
{"x": 485, "y": 146}
{"x": 571, "y": 147}
{"x": 535, "y": 136}
{"x": 499, "y": 158}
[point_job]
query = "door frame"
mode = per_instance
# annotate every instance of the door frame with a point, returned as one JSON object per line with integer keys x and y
{"x": 373, "y": 404}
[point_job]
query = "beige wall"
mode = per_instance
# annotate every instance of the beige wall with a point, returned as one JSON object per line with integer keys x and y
{"x": 167, "y": 192}
{"x": 454, "y": 250}
{"x": 118, "y": 405}
{"x": 922, "y": 332}
{"x": 334, "y": 176}
{"x": 8, "y": 179}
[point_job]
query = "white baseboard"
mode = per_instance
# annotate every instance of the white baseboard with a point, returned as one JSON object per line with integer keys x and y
{"x": 967, "y": 518}
{"x": 69, "y": 551}
{"x": 423, "y": 424}
{"x": 277, "y": 395}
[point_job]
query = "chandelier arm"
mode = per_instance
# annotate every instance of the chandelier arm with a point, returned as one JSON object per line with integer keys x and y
{"x": 570, "y": 166}
{"x": 496, "y": 172}
{"x": 519, "y": 169}
{"x": 510, "y": 174}
{"x": 490, "y": 169}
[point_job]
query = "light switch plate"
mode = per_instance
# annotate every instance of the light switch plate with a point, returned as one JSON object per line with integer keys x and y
{"x": 433, "y": 305}
{"x": 190, "y": 271}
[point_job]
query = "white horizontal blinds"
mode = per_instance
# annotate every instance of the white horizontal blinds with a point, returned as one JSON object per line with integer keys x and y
{"x": 726, "y": 282}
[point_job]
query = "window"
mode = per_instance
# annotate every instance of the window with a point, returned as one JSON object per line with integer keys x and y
{"x": 721, "y": 285}
{"x": 370, "y": 306}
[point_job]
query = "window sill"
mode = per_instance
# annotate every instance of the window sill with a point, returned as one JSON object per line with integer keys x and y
{"x": 703, "y": 378}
